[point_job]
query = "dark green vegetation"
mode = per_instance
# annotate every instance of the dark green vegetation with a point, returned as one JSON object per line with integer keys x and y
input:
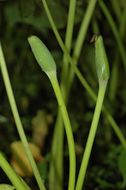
{"x": 37, "y": 103}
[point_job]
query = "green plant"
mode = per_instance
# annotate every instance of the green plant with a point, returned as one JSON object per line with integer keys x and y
{"x": 17, "y": 118}
{"x": 16, "y": 181}
{"x": 102, "y": 68}
{"x": 30, "y": 13}
{"x": 115, "y": 32}
{"x": 80, "y": 76}
{"x": 56, "y": 168}
{"x": 47, "y": 64}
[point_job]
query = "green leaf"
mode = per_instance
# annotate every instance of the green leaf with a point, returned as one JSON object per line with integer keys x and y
{"x": 58, "y": 13}
{"x": 6, "y": 187}
{"x": 42, "y": 54}
{"x": 102, "y": 65}
{"x": 122, "y": 165}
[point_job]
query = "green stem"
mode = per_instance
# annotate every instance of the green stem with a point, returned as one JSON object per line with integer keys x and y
{"x": 78, "y": 46}
{"x": 56, "y": 163}
{"x": 53, "y": 25}
{"x": 58, "y": 132}
{"x": 115, "y": 127}
{"x": 115, "y": 67}
{"x": 16, "y": 181}
{"x": 68, "y": 128}
{"x": 80, "y": 39}
{"x": 115, "y": 31}
{"x": 95, "y": 26}
{"x": 68, "y": 44}
{"x": 81, "y": 78}
{"x": 117, "y": 9}
{"x": 18, "y": 120}
{"x": 83, "y": 29}
{"x": 57, "y": 143}
{"x": 59, "y": 39}
{"x": 91, "y": 137}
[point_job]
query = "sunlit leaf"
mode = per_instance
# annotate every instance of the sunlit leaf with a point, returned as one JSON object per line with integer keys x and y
{"x": 6, "y": 187}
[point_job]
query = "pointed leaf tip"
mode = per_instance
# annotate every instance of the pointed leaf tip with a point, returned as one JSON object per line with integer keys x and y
{"x": 42, "y": 54}
{"x": 102, "y": 65}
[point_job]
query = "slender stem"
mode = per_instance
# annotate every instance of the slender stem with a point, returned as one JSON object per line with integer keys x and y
{"x": 83, "y": 28}
{"x": 68, "y": 44}
{"x": 78, "y": 47}
{"x": 122, "y": 28}
{"x": 53, "y": 25}
{"x": 18, "y": 120}
{"x": 16, "y": 181}
{"x": 91, "y": 137}
{"x": 56, "y": 164}
{"x": 117, "y": 9}
{"x": 59, "y": 39}
{"x": 115, "y": 127}
{"x": 58, "y": 133}
{"x": 68, "y": 128}
{"x": 115, "y": 31}
{"x": 80, "y": 39}
{"x": 57, "y": 143}
{"x": 95, "y": 26}
{"x": 81, "y": 78}
{"x": 115, "y": 67}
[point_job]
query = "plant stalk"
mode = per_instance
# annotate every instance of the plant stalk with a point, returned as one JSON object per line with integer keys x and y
{"x": 115, "y": 68}
{"x": 91, "y": 137}
{"x": 82, "y": 79}
{"x": 16, "y": 181}
{"x": 72, "y": 158}
{"x": 115, "y": 32}
{"x": 56, "y": 166}
{"x": 17, "y": 119}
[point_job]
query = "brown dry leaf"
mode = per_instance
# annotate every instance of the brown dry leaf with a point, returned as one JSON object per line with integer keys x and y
{"x": 40, "y": 127}
{"x": 19, "y": 159}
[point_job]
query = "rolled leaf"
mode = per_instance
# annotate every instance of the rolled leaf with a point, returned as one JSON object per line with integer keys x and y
{"x": 42, "y": 54}
{"x": 102, "y": 65}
